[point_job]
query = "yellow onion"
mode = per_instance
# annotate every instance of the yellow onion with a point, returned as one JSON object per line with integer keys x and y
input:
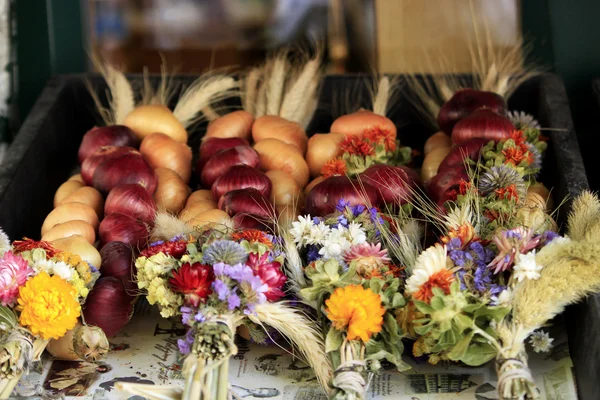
{"x": 236, "y": 124}
{"x": 436, "y": 141}
{"x": 148, "y": 119}
{"x": 432, "y": 161}
{"x": 172, "y": 192}
{"x": 161, "y": 150}
{"x": 70, "y": 212}
{"x": 70, "y": 228}
{"x": 65, "y": 190}
{"x": 79, "y": 245}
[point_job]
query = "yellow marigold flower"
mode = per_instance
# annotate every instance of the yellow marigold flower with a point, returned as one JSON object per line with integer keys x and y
{"x": 356, "y": 309}
{"x": 48, "y": 306}
{"x": 69, "y": 258}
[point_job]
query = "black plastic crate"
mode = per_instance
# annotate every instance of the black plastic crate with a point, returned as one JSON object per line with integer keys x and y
{"x": 44, "y": 155}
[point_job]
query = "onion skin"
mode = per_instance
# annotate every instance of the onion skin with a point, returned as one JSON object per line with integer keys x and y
{"x": 436, "y": 141}
{"x": 324, "y": 197}
{"x": 237, "y": 124}
{"x": 118, "y": 260}
{"x": 432, "y": 161}
{"x": 456, "y": 157}
{"x": 108, "y": 306}
{"x": 484, "y": 124}
{"x": 114, "y": 135}
{"x": 123, "y": 228}
{"x": 241, "y": 177}
{"x": 222, "y": 160}
{"x": 285, "y": 191}
{"x": 128, "y": 168}
{"x": 313, "y": 183}
{"x": 161, "y": 151}
{"x": 274, "y": 127}
{"x": 78, "y": 245}
{"x": 357, "y": 123}
{"x": 198, "y": 196}
{"x": 438, "y": 187}
{"x": 395, "y": 184}
{"x": 322, "y": 147}
{"x": 133, "y": 200}
{"x": 247, "y": 201}
{"x": 106, "y": 153}
{"x": 65, "y": 190}
{"x": 211, "y": 145}
{"x": 70, "y": 228}
{"x": 213, "y": 217}
{"x": 172, "y": 192}
{"x": 62, "y": 349}
{"x": 70, "y": 212}
{"x": 148, "y": 119}
{"x": 463, "y": 103}
{"x": 87, "y": 195}
{"x": 277, "y": 155}
{"x": 76, "y": 177}
{"x": 197, "y": 208}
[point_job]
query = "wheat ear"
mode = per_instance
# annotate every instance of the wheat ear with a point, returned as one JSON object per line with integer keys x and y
{"x": 380, "y": 102}
{"x": 276, "y": 83}
{"x": 301, "y": 332}
{"x": 584, "y": 211}
{"x": 250, "y": 93}
{"x": 121, "y": 97}
{"x": 295, "y": 105}
{"x": 201, "y": 94}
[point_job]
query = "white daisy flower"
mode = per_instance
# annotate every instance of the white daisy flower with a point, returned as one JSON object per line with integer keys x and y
{"x": 526, "y": 267}
{"x": 541, "y": 341}
{"x": 43, "y": 265}
{"x": 63, "y": 270}
{"x": 522, "y": 120}
{"x": 301, "y": 229}
{"x": 503, "y": 299}
{"x": 458, "y": 216}
{"x": 356, "y": 234}
{"x": 335, "y": 244}
{"x": 318, "y": 234}
{"x": 429, "y": 262}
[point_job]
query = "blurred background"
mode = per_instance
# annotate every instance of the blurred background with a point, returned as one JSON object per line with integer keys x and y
{"x": 42, "y": 38}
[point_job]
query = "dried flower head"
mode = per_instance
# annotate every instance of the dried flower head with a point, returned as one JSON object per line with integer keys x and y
{"x": 500, "y": 177}
{"x": 430, "y": 271}
{"x": 224, "y": 251}
{"x": 522, "y": 120}
{"x": 337, "y": 166}
{"x": 510, "y": 243}
{"x": 14, "y": 272}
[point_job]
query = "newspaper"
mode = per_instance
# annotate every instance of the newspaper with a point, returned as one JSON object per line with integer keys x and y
{"x": 146, "y": 352}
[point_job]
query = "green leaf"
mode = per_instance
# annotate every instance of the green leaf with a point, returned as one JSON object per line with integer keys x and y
{"x": 437, "y": 303}
{"x": 445, "y": 325}
{"x": 459, "y": 350}
{"x": 334, "y": 340}
{"x": 391, "y": 326}
{"x": 438, "y": 292}
{"x": 331, "y": 269}
{"x": 192, "y": 250}
{"x": 424, "y": 329}
{"x": 376, "y": 285}
{"x": 462, "y": 322}
{"x": 373, "y": 347}
{"x": 423, "y": 307}
{"x": 398, "y": 300}
{"x": 471, "y": 308}
{"x": 8, "y": 319}
{"x": 478, "y": 354}
{"x": 492, "y": 312}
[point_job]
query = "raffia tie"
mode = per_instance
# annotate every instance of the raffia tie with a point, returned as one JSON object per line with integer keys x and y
{"x": 510, "y": 370}
{"x": 348, "y": 378}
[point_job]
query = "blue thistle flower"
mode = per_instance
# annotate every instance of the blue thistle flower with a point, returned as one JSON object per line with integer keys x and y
{"x": 499, "y": 177}
{"x": 225, "y": 251}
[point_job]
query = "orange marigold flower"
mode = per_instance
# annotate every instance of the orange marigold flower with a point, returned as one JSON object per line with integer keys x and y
{"x": 465, "y": 232}
{"x": 357, "y": 145}
{"x": 337, "y": 166}
{"x": 381, "y": 136}
{"x": 441, "y": 279}
{"x": 252, "y": 236}
{"x": 508, "y": 193}
{"x": 514, "y": 155}
{"x": 356, "y": 310}
{"x": 430, "y": 271}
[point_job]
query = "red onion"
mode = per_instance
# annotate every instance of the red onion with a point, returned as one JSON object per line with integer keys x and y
{"x": 394, "y": 184}
{"x": 241, "y": 177}
{"x": 108, "y": 306}
{"x": 247, "y": 201}
{"x": 118, "y": 260}
{"x": 470, "y": 149}
{"x": 89, "y": 165}
{"x": 128, "y": 168}
{"x": 439, "y": 187}
{"x": 114, "y": 135}
{"x": 123, "y": 228}
{"x": 131, "y": 199}
{"x": 222, "y": 160}
{"x": 463, "y": 103}
{"x": 323, "y": 198}
{"x": 211, "y": 145}
{"x": 246, "y": 221}
{"x": 484, "y": 124}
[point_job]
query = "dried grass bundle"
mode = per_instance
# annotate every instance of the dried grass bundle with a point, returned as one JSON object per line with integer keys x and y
{"x": 121, "y": 98}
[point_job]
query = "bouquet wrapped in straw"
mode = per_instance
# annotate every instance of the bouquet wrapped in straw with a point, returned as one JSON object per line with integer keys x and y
{"x": 215, "y": 281}
{"x": 41, "y": 292}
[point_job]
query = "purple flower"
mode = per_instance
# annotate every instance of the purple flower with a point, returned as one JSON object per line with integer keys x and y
{"x": 233, "y": 301}
{"x": 93, "y": 269}
{"x": 375, "y": 217}
{"x": 342, "y": 221}
{"x": 176, "y": 238}
{"x": 317, "y": 220}
{"x": 454, "y": 244}
{"x": 185, "y": 344}
{"x": 186, "y": 313}
{"x": 200, "y": 317}
{"x": 240, "y": 272}
{"x": 358, "y": 209}
{"x": 219, "y": 269}
{"x": 341, "y": 205}
{"x": 313, "y": 253}
{"x": 547, "y": 237}
{"x": 221, "y": 289}
{"x": 159, "y": 242}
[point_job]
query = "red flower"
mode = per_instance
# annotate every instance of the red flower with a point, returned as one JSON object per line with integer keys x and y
{"x": 382, "y": 136}
{"x": 174, "y": 249}
{"x": 518, "y": 137}
{"x": 20, "y": 246}
{"x": 252, "y": 236}
{"x": 337, "y": 166}
{"x": 464, "y": 187}
{"x": 193, "y": 281}
{"x": 270, "y": 274}
{"x": 508, "y": 193}
{"x": 515, "y": 155}
{"x": 357, "y": 145}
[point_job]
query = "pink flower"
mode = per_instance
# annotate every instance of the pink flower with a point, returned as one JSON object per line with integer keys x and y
{"x": 367, "y": 258}
{"x": 270, "y": 274}
{"x": 14, "y": 271}
{"x": 510, "y": 243}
